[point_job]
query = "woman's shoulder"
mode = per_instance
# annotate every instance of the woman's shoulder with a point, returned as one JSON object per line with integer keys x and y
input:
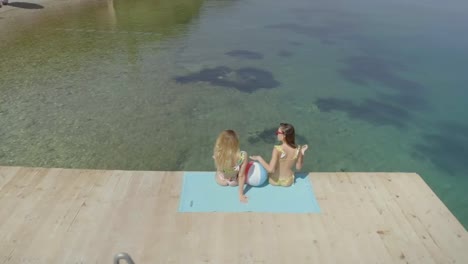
{"x": 278, "y": 147}
{"x": 242, "y": 155}
{"x": 242, "y": 158}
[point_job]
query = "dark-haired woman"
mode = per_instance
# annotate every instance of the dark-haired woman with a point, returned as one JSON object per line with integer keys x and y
{"x": 283, "y": 157}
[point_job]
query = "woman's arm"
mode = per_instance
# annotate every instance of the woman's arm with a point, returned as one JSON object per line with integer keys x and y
{"x": 241, "y": 180}
{"x": 300, "y": 161}
{"x": 270, "y": 168}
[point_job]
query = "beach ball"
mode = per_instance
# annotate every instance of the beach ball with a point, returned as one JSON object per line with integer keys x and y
{"x": 255, "y": 174}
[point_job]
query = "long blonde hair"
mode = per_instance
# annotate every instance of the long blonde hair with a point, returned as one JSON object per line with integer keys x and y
{"x": 226, "y": 150}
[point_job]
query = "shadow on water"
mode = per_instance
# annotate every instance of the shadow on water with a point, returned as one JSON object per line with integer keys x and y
{"x": 245, "y": 54}
{"x": 26, "y": 5}
{"x": 268, "y": 136}
{"x": 246, "y": 79}
{"x": 446, "y": 148}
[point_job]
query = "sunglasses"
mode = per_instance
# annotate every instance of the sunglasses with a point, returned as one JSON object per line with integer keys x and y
{"x": 279, "y": 132}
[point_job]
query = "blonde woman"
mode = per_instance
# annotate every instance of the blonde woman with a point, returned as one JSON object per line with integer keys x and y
{"x": 283, "y": 157}
{"x": 230, "y": 162}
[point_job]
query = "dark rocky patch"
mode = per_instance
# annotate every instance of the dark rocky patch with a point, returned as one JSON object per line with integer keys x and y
{"x": 372, "y": 111}
{"x": 331, "y": 12}
{"x": 246, "y": 79}
{"x": 295, "y": 43}
{"x": 285, "y": 53}
{"x": 311, "y": 31}
{"x": 268, "y": 136}
{"x": 364, "y": 69}
{"x": 368, "y": 70}
{"x": 406, "y": 101}
{"x": 446, "y": 148}
{"x": 245, "y": 54}
{"x": 327, "y": 33}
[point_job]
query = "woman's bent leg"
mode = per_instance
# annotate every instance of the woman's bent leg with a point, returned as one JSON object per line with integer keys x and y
{"x": 220, "y": 181}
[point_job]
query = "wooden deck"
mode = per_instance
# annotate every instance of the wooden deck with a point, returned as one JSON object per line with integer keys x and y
{"x": 86, "y": 216}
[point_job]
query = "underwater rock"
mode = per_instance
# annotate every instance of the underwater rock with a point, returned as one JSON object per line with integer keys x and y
{"x": 268, "y": 135}
{"x": 245, "y": 54}
{"x": 372, "y": 111}
{"x": 370, "y": 70}
{"x": 364, "y": 70}
{"x": 295, "y": 43}
{"x": 247, "y": 79}
{"x": 285, "y": 53}
{"x": 327, "y": 33}
{"x": 446, "y": 147}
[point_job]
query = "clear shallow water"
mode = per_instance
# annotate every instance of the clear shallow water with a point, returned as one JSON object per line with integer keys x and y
{"x": 145, "y": 85}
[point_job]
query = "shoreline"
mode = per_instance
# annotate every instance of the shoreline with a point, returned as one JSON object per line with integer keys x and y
{"x": 29, "y": 13}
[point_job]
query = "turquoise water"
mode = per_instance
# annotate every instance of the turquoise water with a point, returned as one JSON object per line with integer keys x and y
{"x": 147, "y": 85}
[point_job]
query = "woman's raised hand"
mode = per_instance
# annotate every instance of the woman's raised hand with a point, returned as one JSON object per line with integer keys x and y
{"x": 303, "y": 149}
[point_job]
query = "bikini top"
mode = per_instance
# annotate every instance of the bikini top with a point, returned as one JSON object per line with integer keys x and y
{"x": 238, "y": 164}
{"x": 283, "y": 153}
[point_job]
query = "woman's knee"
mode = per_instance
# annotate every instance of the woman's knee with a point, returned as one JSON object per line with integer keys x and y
{"x": 217, "y": 179}
{"x": 222, "y": 183}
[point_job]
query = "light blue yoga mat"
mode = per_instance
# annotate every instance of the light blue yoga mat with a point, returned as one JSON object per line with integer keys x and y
{"x": 200, "y": 193}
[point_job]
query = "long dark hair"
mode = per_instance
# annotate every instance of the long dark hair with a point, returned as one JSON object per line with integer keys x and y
{"x": 289, "y": 134}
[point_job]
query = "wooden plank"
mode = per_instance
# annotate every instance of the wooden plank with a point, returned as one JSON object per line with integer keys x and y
{"x": 6, "y": 174}
{"x": 63, "y": 219}
{"x": 366, "y": 219}
{"x": 349, "y": 216}
{"x": 92, "y": 218}
{"x": 397, "y": 234}
{"x": 373, "y": 218}
{"x": 87, "y": 216}
{"x": 430, "y": 219}
{"x": 18, "y": 201}
{"x": 47, "y": 213}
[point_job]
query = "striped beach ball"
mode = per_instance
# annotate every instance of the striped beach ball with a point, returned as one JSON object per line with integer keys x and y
{"x": 255, "y": 174}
